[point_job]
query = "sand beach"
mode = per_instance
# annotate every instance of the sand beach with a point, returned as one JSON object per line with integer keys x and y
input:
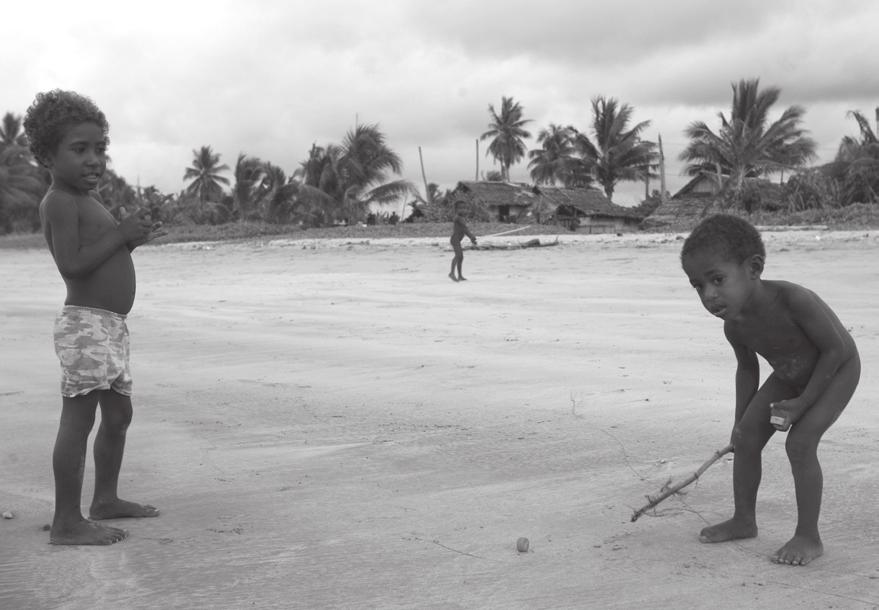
{"x": 335, "y": 424}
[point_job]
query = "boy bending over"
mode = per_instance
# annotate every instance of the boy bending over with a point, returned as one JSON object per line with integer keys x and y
{"x": 815, "y": 365}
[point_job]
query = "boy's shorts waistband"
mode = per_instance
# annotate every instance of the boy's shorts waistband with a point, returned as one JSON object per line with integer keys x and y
{"x": 95, "y": 310}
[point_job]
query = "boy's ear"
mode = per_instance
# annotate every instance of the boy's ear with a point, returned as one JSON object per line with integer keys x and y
{"x": 755, "y": 265}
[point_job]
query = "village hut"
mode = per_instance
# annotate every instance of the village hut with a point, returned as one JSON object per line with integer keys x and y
{"x": 577, "y": 209}
{"x": 684, "y": 209}
{"x": 500, "y": 201}
{"x": 703, "y": 196}
{"x": 588, "y": 210}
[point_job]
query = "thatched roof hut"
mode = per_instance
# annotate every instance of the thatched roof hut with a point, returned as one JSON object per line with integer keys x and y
{"x": 585, "y": 202}
{"x": 501, "y": 201}
{"x": 702, "y": 196}
{"x": 577, "y": 207}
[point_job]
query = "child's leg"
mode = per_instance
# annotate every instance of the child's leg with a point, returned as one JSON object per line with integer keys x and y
{"x": 116, "y": 414}
{"x": 460, "y": 264}
{"x": 750, "y": 436}
{"x": 68, "y": 461}
{"x": 456, "y": 265}
{"x": 802, "y": 450}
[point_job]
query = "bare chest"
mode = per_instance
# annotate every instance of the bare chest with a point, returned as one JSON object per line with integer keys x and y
{"x": 783, "y": 344}
{"x": 94, "y": 220}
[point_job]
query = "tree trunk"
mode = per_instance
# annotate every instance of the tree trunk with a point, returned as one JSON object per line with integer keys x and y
{"x": 477, "y": 159}
{"x": 427, "y": 195}
{"x": 662, "y": 197}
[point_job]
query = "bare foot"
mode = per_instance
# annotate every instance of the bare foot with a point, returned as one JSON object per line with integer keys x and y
{"x": 461, "y": 278}
{"x": 728, "y": 530}
{"x": 799, "y": 551}
{"x": 85, "y": 532}
{"x": 452, "y": 275}
{"x": 122, "y": 509}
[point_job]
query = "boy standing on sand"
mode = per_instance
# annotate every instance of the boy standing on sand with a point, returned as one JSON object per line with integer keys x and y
{"x": 68, "y": 135}
{"x": 459, "y": 230}
{"x": 815, "y": 365}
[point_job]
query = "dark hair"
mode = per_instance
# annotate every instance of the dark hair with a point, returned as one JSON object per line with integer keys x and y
{"x": 52, "y": 114}
{"x": 730, "y": 236}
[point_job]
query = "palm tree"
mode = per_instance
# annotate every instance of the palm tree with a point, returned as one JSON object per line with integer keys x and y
{"x": 207, "y": 183}
{"x": 248, "y": 188}
{"x": 315, "y": 179}
{"x": 20, "y": 189}
{"x": 856, "y": 165}
{"x": 116, "y": 193}
{"x": 342, "y": 180}
{"x": 618, "y": 153}
{"x": 282, "y": 203}
{"x": 11, "y": 132}
{"x": 156, "y": 202}
{"x": 557, "y": 161}
{"x": 507, "y": 134}
{"x": 747, "y": 145}
{"x": 364, "y": 167}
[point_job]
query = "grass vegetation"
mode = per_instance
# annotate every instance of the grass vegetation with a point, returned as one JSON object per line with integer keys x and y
{"x": 853, "y": 217}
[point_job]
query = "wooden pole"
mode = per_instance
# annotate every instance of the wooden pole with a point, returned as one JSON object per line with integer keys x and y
{"x": 477, "y": 159}
{"x": 427, "y": 196}
{"x": 661, "y": 172}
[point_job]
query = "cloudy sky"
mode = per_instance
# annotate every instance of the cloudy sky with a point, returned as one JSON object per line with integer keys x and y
{"x": 269, "y": 78}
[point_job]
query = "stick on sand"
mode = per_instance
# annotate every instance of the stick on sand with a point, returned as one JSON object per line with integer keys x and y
{"x": 506, "y": 232}
{"x": 667, "y": 491}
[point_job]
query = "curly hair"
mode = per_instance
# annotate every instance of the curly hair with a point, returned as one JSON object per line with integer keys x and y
{"x": 52, "y": 114}
{"x": 730, "y": 236}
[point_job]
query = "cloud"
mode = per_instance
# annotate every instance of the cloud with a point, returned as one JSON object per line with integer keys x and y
{"x": 271, "y": 78}
{"x": 577, "y": 33}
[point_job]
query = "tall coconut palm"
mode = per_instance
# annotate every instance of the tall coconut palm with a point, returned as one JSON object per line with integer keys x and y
{"x": 207, "y": 183}
{"x": 747, "y": 145}
{"x": 344, "y": 179}
{"x": 557, "y": 161}
{"x": 249, "y": 186}
{"x": 507, "y": 133}
{"x": 618, "y": 152}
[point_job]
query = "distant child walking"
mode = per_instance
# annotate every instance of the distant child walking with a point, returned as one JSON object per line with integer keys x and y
{"x": 68, "y": 134}
{"x": 815, "y": 365}
{"x": 459, "y": 230}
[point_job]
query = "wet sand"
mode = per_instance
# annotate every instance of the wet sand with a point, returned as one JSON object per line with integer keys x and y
{"x": 331, "y": 424}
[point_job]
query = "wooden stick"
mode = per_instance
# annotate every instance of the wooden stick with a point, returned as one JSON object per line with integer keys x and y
{"x": 505, "y": 232}
{"x": 667, "y": 491}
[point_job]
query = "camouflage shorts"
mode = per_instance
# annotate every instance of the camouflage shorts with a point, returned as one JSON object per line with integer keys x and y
{"x": 92, "y": 345}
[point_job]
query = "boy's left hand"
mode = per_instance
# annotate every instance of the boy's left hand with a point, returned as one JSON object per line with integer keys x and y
{"x": 156, "y": 231}
{"x": 785, "y": 413}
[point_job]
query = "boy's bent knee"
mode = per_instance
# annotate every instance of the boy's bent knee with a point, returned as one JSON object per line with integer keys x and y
{"x": 801, "y": 448}
{"x": 748, "y": 439}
